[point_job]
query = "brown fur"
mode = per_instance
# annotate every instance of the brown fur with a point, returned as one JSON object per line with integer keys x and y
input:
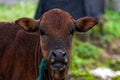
{"x": 57, "y": 25}
{"x": 17, "y": 53}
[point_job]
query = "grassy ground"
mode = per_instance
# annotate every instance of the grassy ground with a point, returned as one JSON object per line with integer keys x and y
{"x": 85, "y": 55}
{"x": 17, "y": 11}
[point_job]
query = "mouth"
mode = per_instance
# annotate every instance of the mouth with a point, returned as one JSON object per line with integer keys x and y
{"x": 58, "y": 66}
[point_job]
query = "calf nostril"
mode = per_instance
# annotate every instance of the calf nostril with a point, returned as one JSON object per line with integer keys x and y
{"x": 59, "y": 54}
{"x": 64, "y": 54}
{"x": 54, "y": 54}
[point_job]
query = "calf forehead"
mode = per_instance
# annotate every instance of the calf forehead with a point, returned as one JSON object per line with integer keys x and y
{"x": 56, "y": 20}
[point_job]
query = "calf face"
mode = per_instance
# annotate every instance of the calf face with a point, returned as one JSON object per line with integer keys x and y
{"x": 56, "y": 29}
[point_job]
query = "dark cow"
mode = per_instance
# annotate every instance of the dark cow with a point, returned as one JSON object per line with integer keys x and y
{"x": 24, "y": 43}
{"x": 77, "y": 8}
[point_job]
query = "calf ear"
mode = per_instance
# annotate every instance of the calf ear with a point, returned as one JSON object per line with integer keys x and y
{"x": 28, "y": 24}
{"x": 85, "y": 24}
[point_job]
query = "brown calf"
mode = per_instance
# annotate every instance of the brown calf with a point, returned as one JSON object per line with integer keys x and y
{"x": 49, "y": 37}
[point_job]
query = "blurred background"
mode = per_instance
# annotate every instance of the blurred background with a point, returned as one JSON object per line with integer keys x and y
{"x": 98, "y": 48}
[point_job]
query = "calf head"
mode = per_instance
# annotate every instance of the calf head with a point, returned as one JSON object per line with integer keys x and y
{"x": 56, "y": 29}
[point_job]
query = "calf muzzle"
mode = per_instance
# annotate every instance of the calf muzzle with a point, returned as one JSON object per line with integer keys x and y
{"x": 58, "y": 59}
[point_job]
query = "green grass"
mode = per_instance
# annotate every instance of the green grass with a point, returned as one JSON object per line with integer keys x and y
{"x": 17, "y": 11}
{"x": 84, "y": 57}
{"x": 111, "y": 28}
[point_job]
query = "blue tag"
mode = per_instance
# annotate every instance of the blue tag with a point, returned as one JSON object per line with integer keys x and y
{"x": 42, "y": 68}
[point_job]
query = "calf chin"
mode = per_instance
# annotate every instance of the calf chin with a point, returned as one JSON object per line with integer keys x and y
{"x": 59, "y": 75}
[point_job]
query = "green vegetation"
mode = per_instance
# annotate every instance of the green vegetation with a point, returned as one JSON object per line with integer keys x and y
{"x": 116, "y": 78}
{"x": 111, "y": 28}
{"x": 85, "y": 55}
{"x": 11, "y": 13}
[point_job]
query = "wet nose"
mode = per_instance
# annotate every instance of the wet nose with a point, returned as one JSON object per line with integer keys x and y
{"x": 59, "y": 54}
{"x": 58, "y": 59}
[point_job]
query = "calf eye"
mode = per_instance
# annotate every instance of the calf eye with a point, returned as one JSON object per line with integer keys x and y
{"x": 72, "y": 31}
{"x": 42, "y": 32}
